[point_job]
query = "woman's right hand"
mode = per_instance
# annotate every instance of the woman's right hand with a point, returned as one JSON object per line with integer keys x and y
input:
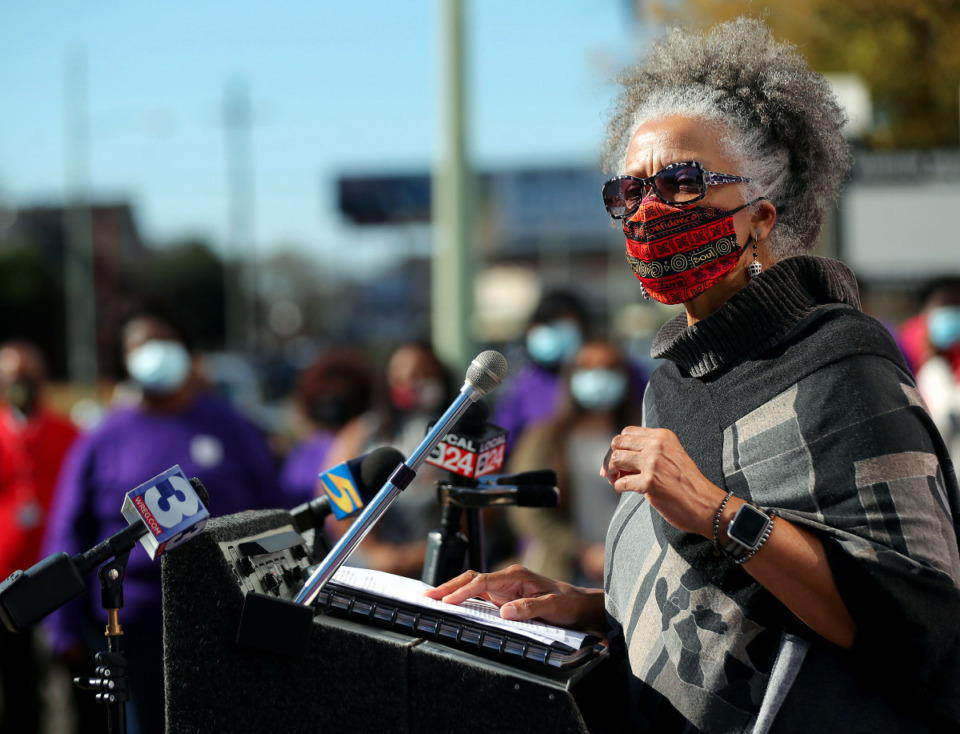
{"x": 522, "y": 594}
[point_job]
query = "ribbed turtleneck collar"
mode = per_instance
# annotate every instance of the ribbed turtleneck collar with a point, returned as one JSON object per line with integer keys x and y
{"x": 757, "y": 316}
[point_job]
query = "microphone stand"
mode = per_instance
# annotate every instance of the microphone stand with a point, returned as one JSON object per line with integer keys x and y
{"x": 399, "y": 481}
{"x": 477, "y": 546}
{"x": 447, "y": 548}
{"x": 110, "y": 684}
{"x": 485, "y": 372}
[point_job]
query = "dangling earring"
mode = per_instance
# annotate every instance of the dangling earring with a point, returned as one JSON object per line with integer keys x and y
{"x": 754, "y": 268}
{"x": 643, "y": 292}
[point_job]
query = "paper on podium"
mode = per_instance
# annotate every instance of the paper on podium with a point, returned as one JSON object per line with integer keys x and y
{"x": 410, "y": 591}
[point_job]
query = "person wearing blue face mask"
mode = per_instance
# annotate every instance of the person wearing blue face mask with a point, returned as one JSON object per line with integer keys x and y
{"x": 943, "y": 325}
{"x": 173, "y": 420}
{"x": 598, "y": 388}
{"x": 160, "y": 367}
{"x": 599, "y": 393}
{"x": 556, "y": 330}
{"x": 938, "y": 377}
{"x": 553, "y": 343}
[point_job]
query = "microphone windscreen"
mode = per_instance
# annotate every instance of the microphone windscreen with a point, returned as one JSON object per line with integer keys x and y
{"x": 201, "y": 491}
{"x": 350, "y": 486}
{"x": 476, "y": 415}
{"x": 473, "y": 419}
{"x": 377, "y": 466}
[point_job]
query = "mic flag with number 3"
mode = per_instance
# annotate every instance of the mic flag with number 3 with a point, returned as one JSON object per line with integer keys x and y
{"x": 169, "y": 507}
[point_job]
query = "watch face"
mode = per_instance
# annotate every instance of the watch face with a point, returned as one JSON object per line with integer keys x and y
{"x": 748, "y": 525}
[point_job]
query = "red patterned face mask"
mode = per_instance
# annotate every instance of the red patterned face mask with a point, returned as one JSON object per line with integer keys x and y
{"x": 679, "y": 252}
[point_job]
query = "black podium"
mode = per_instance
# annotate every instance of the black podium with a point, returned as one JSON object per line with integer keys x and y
{"x": 350, "y": 678}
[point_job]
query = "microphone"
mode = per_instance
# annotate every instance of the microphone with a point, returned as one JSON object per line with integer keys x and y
{"x": 163, "y": 513}
{"x": 473, "y": 447}
{"x": 486, "y": 371}
{"x": 527, "y": 489}
{"x": 347, "y": 488}
{"x": 202, "y": 494}
{"x": 533, "y": 476}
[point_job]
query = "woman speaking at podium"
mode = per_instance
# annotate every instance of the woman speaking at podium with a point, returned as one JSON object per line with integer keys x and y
{"x": 784, "y": 554}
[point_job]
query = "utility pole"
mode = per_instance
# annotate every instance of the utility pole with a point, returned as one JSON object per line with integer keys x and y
{"x": 454, "y": 263}
{"x": 240, "y": 262}
{"x": 78, "y": 272}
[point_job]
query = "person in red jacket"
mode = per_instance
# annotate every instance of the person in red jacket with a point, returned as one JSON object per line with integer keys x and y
{"x": 42, "y": 436}
{"x": 33, "y": 442}
{"x": 19, "y": 675}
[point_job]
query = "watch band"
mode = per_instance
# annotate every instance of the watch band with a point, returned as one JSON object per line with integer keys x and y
{"x": 739, "y": 547}
{"x": 716, "y": 524}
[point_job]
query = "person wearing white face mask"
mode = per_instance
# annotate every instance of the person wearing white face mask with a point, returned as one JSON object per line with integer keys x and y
{"x": 599, "y": 393}
{"x": 174, "y": 420}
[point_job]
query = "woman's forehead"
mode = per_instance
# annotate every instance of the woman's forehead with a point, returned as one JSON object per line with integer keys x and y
{"x": 659, "y": 142}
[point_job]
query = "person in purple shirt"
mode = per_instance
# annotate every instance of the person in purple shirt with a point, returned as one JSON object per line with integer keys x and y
{"x": 555, "y": 332}
{"x": 174, "y": 421}
{"x": 302, "y": 466}
{"x": 331, "y": 391}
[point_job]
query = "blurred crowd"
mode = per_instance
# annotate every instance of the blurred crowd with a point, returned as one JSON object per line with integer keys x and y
{"x": 570, "y": 389}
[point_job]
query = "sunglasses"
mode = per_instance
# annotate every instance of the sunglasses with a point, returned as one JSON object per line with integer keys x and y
{"x": 682, "y": 184}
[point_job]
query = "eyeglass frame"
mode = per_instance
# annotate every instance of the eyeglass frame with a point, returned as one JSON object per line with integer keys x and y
{"x": 709, "y": 178}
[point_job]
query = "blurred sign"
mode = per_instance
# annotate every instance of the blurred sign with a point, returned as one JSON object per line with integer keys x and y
{"x": 901, "y": 233}
{"x": 923, "y": 166}
{"x": 519, "y": 206}
{"x": 560, "y": 201}
{"x": 385, "y": 199}
{"x": 895, "y": 201}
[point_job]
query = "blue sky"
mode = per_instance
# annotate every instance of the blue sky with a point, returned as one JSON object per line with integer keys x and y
{"x": 336, "y": 88}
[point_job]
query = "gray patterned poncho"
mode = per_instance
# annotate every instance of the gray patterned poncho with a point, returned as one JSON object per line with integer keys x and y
{"x": 792, "y": 398}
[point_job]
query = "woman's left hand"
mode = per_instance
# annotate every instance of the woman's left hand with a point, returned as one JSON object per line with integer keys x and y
{"x": 651, "y": 461}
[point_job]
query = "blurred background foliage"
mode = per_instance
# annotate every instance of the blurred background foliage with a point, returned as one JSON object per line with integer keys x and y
{"x": 905, "y": 51}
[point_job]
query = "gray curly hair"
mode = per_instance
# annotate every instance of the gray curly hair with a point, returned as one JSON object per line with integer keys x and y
{"x": 782, "y": 121}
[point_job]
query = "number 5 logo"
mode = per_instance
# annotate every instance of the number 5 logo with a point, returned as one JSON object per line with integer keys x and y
{"x": 342, "y": 493}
